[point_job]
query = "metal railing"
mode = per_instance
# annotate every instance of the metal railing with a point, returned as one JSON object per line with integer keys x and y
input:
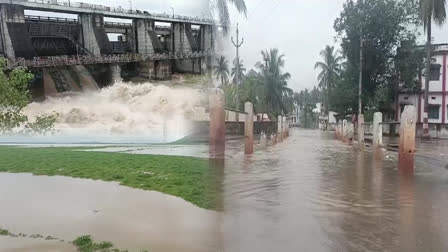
{"x": 30, "y": 18}
{"x": 117, "y": 10}
{"x": 68, "y": 60}
{"x": 117, "y": 24}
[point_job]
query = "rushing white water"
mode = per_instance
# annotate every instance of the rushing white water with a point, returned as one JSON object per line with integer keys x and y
{"x": 124, "y": 112}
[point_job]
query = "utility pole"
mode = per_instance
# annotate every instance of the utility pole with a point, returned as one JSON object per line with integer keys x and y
{"x": 360, "y": 117}
{"x": 361, "y": 60}
{"x": 237, "y": 45}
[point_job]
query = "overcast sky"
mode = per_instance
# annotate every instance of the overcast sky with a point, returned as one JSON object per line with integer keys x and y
{"x": 298, "y": 28}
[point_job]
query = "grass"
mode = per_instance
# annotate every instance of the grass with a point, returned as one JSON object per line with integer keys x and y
{"x": 4, "y": 232}
{"x": 86, "y": 244}
{"x": 186, "y": 177}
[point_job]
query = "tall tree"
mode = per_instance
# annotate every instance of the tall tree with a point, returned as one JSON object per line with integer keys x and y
{"x": 384, "y": 25}
{"x": 274, "y": 80}
{"x": 430, "y": 10}
{"x": 222, "y": 6}
{"x": 241, "y": 72}
{"x": 330, "y": 69}
{"x": 222, "y": 70}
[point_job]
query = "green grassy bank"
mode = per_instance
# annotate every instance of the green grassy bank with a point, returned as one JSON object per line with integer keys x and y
{"x": 186, "y": 177}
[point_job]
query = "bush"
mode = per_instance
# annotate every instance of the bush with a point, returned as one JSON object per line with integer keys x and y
{"x": 14, "y": 97}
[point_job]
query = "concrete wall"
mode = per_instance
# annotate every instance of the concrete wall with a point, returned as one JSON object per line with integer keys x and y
{"x": 94, "y": 35}
{"x": 15, "y": 41}
{"x": 207, "y": 38}
{"x": 155, "y": 70}
{"x": 143, "y": 42}
{"x": 189, "y": 66}
{"x": 181, "y": 43}
{"x": 67, "y": 79}
{"x": 434, "y": 99}
{"x": 237, "y": 128}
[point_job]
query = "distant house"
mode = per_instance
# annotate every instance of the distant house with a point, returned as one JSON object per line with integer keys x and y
{"x": 438, "y": 96}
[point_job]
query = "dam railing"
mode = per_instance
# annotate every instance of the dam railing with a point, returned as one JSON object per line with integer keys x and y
{"x": 68, "y": 60}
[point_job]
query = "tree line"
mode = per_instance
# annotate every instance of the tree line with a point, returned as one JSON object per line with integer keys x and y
{"x": 386, "y": 31}
{"x": 265, "y": 86}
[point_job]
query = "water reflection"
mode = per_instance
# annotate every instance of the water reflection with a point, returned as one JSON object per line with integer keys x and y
{"x": 314, "y": 193}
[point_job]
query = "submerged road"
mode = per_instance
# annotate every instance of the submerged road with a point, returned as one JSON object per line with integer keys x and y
{"x": 314, "y": 193}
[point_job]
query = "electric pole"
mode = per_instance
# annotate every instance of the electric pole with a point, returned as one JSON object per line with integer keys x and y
{"x": 237, "y": 45}
{"x": 361, "y": 59}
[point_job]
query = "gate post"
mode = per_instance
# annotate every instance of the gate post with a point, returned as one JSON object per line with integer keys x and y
{"x": 217, "y": 124}
{"x": 279, "y": 128}
{"x": 249, "y": 128}
{"x": 377, "y": 129}
{"x": 344, "y": 130}
{"x": 361, "y": 131}
{"x": 407, "y": 139}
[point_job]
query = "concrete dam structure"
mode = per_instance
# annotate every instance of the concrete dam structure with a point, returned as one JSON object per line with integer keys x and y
{"x": 77, "y": 54}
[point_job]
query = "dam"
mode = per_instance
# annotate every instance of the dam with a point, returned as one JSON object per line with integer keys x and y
{"x": 76, "y": 54}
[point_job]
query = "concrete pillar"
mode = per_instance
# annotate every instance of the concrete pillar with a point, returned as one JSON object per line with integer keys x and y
{"x": 94, "y": 36}
{"x": 116, "y": 73}
{"x": 162, "y": 70}
{"x": 143, "y": 41}
{"x": 377, "y": 130}
{"x": 336, "y": 130}
{"x": 181, "y": 43}
{"x": 344, "y": 130}
{"x": 279, "y": 128}
{"x": 284, "y": 126}
{"x": 249, "y": 128}
{"x": 217, "y": 124}
{"x": 15, "y": 41}
{"x": 273, "y": 139}
{"x": 361, "y": 131}
{"x": 263, "y": 141}
{"x": 207, "y": 38}
{"x": 407, "y": 139}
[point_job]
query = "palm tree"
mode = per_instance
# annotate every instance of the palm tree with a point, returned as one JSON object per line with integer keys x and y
{"x": 222, "y": 70}
{"x": 222, "y": 7}
{"x": 274, "y": 80}
{"x": 241, "y": 71}
{"x": 430, "y": 10}
{"x": 330, "y": 70}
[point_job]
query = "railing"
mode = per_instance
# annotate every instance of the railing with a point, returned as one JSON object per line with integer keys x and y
{"x": 39, "y": 62}
{"x": 51, "y": 19}
{"x": 117, "y": 24}
{"x": 117, "y": 10}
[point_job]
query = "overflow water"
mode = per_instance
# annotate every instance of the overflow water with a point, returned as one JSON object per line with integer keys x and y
{"x": 314, "y": 193}
{"x": 122, "y": 113}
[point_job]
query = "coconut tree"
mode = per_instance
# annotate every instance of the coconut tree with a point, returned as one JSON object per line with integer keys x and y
{"x": 222, "y": 70}
{"x": 330, "y": 68}
{"x": 430, "y": 10}
{"x": 275, "y": 81}
{"x": 241, "y": 71}
{"x": 222, "y": 6}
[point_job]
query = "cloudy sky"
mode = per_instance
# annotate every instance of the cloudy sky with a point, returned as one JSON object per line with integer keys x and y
{"x": 298, "y": 28}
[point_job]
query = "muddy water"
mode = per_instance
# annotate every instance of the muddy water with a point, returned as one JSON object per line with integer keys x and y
{"x": 313, "y": 193}
{"x": 66, "y": 208}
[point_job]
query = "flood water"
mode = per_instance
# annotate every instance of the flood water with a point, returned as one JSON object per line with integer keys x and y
{"x": 65, "y": 208}
{"x": 308, "y": 193}
{"x": 314, "y": 193}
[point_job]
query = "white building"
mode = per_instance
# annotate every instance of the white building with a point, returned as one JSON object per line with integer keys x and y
{"x": 438, "y": 96}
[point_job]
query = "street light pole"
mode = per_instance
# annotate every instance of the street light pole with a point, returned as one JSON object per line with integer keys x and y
{"x": 237, "y": 46}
